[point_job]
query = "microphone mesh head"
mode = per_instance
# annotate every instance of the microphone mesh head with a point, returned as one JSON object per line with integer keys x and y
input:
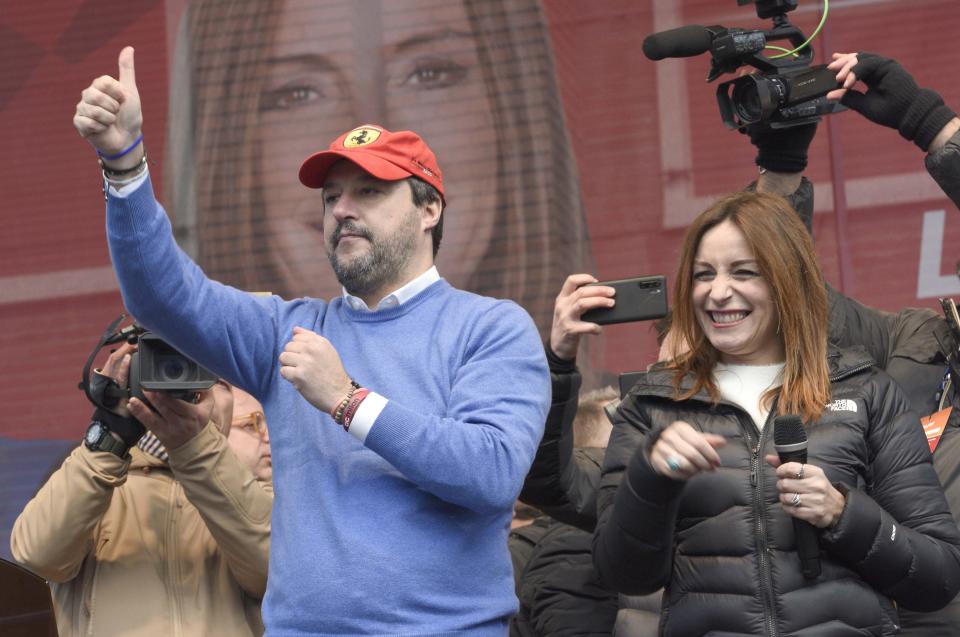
{"x": 685, "y": 41}
{"x": 788, "y": 430}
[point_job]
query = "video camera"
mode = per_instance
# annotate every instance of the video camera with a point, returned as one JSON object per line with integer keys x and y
{"x": 154, "y": 366}
{"x": 785, "y": 91}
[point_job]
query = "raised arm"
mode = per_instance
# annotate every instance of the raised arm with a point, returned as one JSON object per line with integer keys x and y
{"x": 560, "y": 483}
{"x": 222, "y": 328}
{"x": 906, "y": 344}
{"x": 782, "y": 155}
{"x": 893, "y": 99}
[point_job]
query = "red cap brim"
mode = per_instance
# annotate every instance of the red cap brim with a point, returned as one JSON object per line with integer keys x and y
{"x": 313, "y": 171}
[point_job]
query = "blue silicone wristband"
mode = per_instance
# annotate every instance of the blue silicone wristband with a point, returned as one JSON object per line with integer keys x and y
{"x": 125, "y": 151}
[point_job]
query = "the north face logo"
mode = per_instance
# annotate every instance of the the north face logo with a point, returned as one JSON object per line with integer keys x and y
{"x": 844, "y": 404}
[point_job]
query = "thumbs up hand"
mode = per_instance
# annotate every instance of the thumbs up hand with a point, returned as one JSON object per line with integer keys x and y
{"x": 108, "y": 114}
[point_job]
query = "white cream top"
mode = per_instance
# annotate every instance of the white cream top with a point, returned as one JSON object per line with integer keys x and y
{"x": 745, "y": 385}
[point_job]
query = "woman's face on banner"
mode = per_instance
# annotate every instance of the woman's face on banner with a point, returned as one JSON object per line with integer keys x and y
{"x": 405, "y": 64}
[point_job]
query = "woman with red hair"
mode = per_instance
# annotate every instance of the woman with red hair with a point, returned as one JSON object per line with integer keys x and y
{"x": 693, "y": 496}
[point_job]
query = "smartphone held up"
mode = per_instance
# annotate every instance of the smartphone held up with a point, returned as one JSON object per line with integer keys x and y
{"x": 638, "y": 299}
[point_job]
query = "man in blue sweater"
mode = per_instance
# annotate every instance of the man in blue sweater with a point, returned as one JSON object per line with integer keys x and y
{"x": 398, "y": 525}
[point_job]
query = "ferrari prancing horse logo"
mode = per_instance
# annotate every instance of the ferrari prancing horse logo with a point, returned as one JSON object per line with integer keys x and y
{"x": 361, "y": 137}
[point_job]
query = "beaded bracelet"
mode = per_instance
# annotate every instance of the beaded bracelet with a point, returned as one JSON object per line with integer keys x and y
{"x": 337, "y": 413}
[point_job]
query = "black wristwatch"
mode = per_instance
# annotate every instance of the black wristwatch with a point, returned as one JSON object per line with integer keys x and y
{"x": 99, "y": 438}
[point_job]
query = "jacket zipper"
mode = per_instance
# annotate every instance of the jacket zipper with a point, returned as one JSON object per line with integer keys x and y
{"x": 849, "y": 372}
{"x": 756, "y": 481}
{"x": 173, "y": 560}
{"x": 763, "y": 549}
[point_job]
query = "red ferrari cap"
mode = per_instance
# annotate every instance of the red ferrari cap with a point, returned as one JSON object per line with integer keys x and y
{"x": 383, "y": 154}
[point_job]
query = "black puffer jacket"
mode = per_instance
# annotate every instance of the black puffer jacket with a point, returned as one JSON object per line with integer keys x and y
{"x": 563, "y": 480}
{"x": 560, "y": 595}
{"x": 944, "y": 167}
{"x": 722, "y": 544}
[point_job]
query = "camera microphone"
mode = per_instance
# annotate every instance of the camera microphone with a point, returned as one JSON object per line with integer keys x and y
{"x": 682, "y": 42}
{"x": 790, "y": 440}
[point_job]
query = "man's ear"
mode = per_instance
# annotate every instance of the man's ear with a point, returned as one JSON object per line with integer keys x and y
{"x": 431, "y": 214}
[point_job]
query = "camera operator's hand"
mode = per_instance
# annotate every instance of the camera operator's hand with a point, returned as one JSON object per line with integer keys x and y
{"x": 782, "y": 150}
{"x": 116, "y": 417}
{"x": 109, "y": 114}
{"x": 893, "y": 98}
{"x": 117, "y": 368}
{"x": 175, "y": 422}
{"x": 575, "y": 298}
{"x": 313, "y": 366}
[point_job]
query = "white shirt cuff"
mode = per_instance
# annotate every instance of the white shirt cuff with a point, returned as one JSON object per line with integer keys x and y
{"x": 367, "y": 414}
{"x": 126, "y": 188}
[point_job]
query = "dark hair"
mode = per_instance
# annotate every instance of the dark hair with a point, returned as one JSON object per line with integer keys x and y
{"x": 424, "y": 193}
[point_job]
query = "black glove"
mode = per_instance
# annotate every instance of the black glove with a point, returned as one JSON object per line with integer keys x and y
{"x": 893, "y": 99}
{"x": 105, "y": 392}
{"x": 129, "y": 429}
{"x": 782, "y": 150}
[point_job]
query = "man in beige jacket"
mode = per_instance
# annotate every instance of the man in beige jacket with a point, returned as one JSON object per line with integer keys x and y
{"x": 171, "y": 539}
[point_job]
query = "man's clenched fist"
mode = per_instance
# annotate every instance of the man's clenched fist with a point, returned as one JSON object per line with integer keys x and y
{"x": 313, "y": 366}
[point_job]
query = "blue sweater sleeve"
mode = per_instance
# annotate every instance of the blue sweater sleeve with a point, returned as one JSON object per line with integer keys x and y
{"x": 229, "y": 331}
{"x": 478, "y": 453}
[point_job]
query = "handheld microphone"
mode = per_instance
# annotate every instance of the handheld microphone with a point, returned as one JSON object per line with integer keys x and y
{"x": 790, "y": 440}
{"x": 682, "y": 42}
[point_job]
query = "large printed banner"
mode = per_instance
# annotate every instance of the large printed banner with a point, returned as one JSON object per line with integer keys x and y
{"x": 563, "y": 149}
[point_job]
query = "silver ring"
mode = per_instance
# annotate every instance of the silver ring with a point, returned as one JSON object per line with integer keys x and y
{"x": 673, "y": 463}
{"x": 795, "y": 501}
{"x": 800, "y": 473}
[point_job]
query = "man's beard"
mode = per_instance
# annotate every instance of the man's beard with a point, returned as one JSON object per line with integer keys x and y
{"x": 382, "y": 262}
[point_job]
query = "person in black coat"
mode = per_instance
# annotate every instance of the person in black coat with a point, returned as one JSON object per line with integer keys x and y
{"x": 909, "y": 344}
{"x": 693, "y": 497}
{"x": 557, "y": 585}
{"x": 906, "y": 344}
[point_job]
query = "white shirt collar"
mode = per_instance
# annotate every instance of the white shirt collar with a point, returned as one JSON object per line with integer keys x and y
{"x": 397, "y": 297}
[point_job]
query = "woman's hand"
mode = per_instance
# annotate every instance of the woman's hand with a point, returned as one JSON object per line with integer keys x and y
{"x": 806, "y": 494}
{"x": 682, "y": 452}
{"x": 575, "y": 298}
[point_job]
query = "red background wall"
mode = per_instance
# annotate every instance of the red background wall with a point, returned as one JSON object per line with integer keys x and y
{"x": 57, "y": 292}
